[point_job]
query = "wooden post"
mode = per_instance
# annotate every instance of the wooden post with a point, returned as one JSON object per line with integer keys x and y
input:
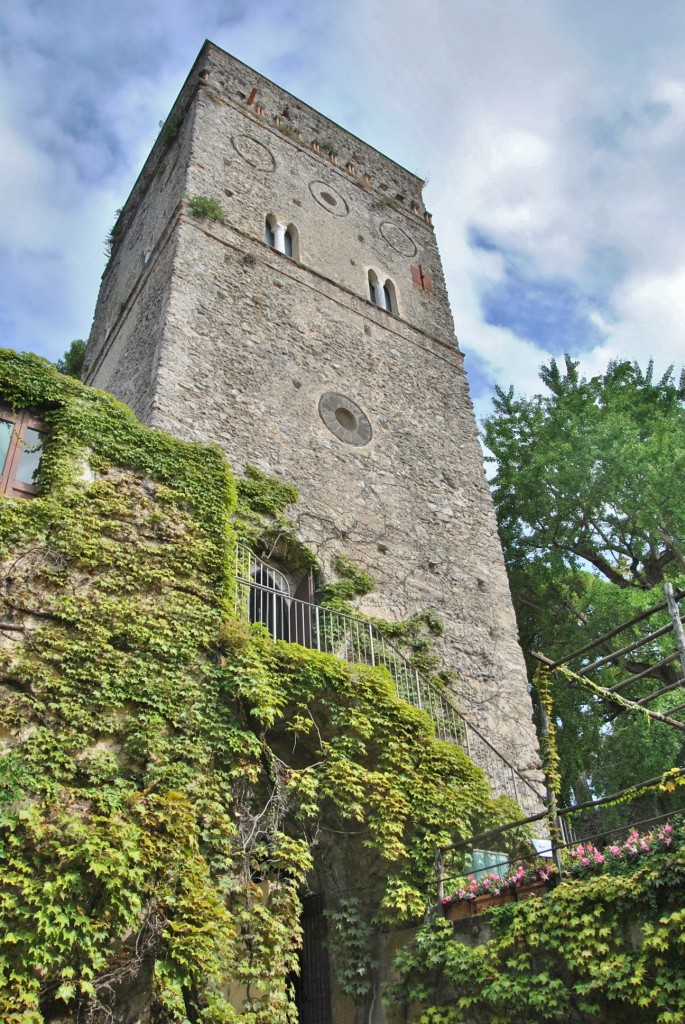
{"x": 678, "y": 630}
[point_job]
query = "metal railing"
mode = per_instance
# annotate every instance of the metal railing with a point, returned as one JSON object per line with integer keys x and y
{"x": 262, "y": 595}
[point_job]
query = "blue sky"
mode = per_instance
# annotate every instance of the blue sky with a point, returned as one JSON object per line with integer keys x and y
{"x": 552, "y": 133}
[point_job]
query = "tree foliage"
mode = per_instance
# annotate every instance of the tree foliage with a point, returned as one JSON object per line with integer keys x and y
{"x": 71, "y": 363}
{"x": 588, "y": 502}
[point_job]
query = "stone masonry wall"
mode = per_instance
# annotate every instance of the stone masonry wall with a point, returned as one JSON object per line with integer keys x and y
{"x": 251, "y": 340}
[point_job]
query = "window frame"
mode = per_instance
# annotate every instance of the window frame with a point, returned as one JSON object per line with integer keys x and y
{"x": 21, "y": 421}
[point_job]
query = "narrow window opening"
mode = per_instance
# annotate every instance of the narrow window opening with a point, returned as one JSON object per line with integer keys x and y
{"x": 269, "y": 236}
{"x": 288, "y": 243}
{"x": 375, "y": 290}
{"x": 390, "y": 297}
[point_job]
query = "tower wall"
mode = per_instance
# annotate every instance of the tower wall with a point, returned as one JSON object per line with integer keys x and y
{"x": 229, "y": 340}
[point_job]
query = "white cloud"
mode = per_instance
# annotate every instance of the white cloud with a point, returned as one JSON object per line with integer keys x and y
{"x": 557, "y": 130}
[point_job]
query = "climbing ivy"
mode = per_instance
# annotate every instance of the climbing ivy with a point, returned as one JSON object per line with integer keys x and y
{"x": 262, "y": 522}
{"x": 171, "y": 777}
{"x": 413, "y": 636}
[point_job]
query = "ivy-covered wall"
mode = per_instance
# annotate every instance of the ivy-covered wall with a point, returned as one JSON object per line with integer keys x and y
{"x": 171, "y": 779}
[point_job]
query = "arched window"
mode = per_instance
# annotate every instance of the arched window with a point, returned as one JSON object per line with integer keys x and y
{"x": 269, "y": 602}
{"x": 292, "y": 242}
{"x": 390, "y": 297}
{"x": 375, "y": 290}
{"x": 383, "y": 295}
{"x": 280, "y": 238}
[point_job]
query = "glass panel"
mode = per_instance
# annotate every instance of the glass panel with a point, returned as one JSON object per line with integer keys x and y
{"x": 29, "y": 460}
{"x": 5, "y": 438}
{"x": 487, "y": 862}
{"x": 288, "y": 244}
{"x": 269, "y": 235}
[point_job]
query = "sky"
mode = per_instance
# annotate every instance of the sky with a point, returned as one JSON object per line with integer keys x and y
{"x": 551, "y": 132}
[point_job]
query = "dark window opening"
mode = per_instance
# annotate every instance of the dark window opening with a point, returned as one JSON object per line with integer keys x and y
{"x": 388, "y": 299}
{"x": 269, "y": 606}
{"x": 288, "y": 243}
{"x": 21, "y": 448}
{"x": 269, "y": 236}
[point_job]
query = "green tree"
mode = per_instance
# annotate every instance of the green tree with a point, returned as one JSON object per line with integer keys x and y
{"x": 71, "y": 362}
{"x": 589, "y": 505}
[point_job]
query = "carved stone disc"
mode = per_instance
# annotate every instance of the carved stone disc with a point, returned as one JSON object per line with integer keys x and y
{"x": 253, "y": 152}
{"x": 344, "y": 417}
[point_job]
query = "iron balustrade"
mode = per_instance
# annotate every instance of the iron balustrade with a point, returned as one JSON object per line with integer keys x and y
{"x": 262, "y": 595}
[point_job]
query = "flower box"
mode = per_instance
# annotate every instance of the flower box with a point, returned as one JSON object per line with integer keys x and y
{"x": 460, "y": 909}
{"x": 470, "y": 907}
{"x": 492, "y": 900}
{"x": 524, "y": 892}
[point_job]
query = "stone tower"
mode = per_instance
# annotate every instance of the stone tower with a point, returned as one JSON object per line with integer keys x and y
{"x": 309, "y": 332}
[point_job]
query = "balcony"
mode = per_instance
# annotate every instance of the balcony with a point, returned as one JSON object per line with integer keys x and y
{"x": 262, "y": 594}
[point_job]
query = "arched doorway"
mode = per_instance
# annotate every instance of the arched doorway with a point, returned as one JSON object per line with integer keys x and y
{"x": 269, "y": 602}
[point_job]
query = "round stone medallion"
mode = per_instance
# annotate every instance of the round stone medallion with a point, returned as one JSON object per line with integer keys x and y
{"x": 397, "y": 238}
{"x": 327, "y": 197}
{"x": 253, "y": 152}
{"x": 345, "y": 419}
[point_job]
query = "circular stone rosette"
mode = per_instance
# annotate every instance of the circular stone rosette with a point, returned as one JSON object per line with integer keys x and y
{"x": 329, "y": 198}
{"x": 254, "y": 153}
{"x": 397, "y": 238}
{"x": 345, "y": 419}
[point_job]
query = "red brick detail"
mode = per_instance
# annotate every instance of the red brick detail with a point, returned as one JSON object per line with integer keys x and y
{"x": 428, "y": 282}
{"x": 416, "y": 276}
{"x": 251, "y": 97}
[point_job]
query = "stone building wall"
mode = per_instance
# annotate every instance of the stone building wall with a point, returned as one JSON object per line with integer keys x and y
{"x": 229, "y": 340}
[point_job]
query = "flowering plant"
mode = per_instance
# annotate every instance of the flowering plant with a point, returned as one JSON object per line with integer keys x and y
{"x": 493, "y": 885}
{"x": 586, "y": 857}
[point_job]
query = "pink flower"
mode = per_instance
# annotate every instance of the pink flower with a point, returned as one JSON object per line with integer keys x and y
{"x": 615, "y": 850}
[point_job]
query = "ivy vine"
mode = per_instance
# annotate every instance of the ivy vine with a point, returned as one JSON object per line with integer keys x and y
{"x": 171, "y": 779}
